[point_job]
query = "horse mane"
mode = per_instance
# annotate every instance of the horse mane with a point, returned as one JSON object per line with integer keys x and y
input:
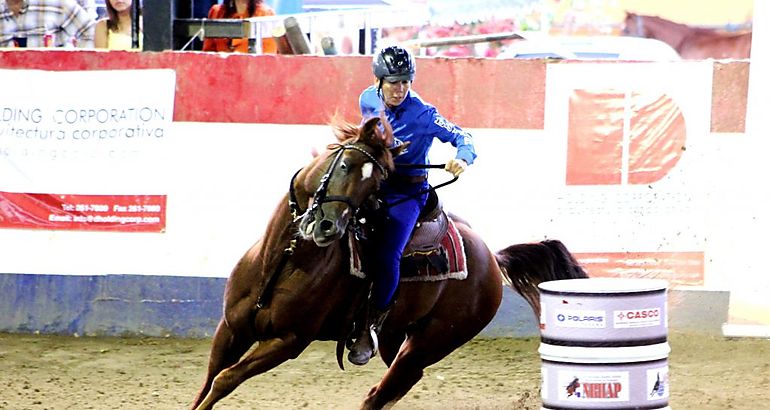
{"x": 681, "y": 26}
{"x": 369, "y": 133}
{"x": 344, "y": 131}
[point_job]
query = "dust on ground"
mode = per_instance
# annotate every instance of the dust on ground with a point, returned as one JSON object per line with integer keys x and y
{"x": 59, "y": 372}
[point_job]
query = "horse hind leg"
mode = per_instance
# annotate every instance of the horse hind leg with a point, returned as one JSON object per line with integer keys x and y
{"x": 226, "y": 349}
{"x": 267, "y": 355}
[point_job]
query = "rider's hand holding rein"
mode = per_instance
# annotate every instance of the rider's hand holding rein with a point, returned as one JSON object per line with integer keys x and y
{"x": 456, "y": 166}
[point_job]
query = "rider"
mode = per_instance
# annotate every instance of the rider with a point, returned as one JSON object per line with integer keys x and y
{"x": 415, "y": 122}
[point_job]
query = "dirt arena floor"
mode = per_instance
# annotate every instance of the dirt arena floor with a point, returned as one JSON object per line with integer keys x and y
{"x": 55, "y": 372}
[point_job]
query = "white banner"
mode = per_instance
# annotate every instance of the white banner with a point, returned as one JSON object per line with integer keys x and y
{"x": 666, "y": 209}
{"x": 85, "y": 132}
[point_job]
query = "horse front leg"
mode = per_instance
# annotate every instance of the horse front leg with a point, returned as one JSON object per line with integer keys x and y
{"x": 226, "y": 348}
{"x": 267, "y": 355}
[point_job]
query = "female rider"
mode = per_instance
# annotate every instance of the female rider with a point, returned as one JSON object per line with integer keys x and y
{"x": 415, "y": 122}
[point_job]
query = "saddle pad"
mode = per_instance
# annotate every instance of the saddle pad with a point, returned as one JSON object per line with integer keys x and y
{"x": 453, "y": 250}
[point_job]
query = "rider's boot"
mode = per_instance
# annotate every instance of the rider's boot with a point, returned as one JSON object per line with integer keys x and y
{"x": 365, "y": 346}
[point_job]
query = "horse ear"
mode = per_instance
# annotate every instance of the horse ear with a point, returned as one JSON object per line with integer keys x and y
{"x": 396, "y": 151}
{"x": 372, "y": 131}
{"x": 369, "y": 129}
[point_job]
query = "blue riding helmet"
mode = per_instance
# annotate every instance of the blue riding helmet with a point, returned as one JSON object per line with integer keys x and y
{"x": 393, "y": 63}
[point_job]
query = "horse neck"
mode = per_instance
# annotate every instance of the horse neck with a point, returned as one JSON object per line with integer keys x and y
{"x": 666, "y": 31}
{"x": 280, "y": 229}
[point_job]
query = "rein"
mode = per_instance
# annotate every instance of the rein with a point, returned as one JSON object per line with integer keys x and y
{"x": 319, "y": 198}
{"x": 423, "y": 191}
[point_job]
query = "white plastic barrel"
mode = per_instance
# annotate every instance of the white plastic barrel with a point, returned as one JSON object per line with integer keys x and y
{"x": 604, "y": 344}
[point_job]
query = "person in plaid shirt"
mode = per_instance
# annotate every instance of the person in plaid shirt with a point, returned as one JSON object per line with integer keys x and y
{"x": 45, "y": 23}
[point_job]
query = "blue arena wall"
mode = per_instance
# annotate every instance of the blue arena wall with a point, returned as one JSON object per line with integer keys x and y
{"x": 118, "y": 305}
{"x": 111, "y": 305}
{"x": 130, "y": 305}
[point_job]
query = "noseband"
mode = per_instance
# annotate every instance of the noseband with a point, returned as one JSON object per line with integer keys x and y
{"x": 320, "y": 197}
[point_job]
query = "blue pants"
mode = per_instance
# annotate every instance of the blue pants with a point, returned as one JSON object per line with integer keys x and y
{"x": 392, "y": 237}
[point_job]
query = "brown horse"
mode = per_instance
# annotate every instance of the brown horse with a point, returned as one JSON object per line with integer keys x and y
{"x": 295, "y": 286}
{"x": 694, "y": 43}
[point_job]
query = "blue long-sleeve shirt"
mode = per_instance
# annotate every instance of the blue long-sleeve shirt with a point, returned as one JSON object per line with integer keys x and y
{"x": 417, "y": 122}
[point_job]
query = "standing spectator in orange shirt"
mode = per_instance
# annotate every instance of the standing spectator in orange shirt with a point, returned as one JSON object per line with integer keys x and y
{"x": 239, "y": 9}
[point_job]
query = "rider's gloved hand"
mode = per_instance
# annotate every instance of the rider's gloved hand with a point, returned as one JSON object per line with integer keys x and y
{"x": 456, "y": 167}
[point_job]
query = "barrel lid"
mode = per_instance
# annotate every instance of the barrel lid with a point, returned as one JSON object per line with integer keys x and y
{"x": 604, "y": 286}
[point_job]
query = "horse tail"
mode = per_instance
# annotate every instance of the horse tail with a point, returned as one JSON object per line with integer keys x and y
{"x": 524, "y": 266}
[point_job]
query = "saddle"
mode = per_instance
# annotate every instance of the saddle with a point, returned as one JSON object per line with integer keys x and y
{"x": 434, "y": 252}
{"x": 431, "y": 226}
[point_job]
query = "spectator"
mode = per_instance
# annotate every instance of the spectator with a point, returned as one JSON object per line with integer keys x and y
{"x": 90, "y": 7}
{"x": 114, "y": 32}
{"x": 239, "y": 9}
{"x": 45, "y": 23}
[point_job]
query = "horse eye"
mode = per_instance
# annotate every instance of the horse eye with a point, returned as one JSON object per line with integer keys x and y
{"x": 343, "y": 166}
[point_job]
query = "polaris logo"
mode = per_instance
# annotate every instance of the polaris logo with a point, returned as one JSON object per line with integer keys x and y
{"x": 574, "y": 318}
{"x": 581, "y": 318}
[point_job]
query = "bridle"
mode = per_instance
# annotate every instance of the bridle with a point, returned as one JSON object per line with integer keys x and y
{"x": 320, "y": 197}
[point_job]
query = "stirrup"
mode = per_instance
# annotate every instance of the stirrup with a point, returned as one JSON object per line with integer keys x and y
{"x": 375, "y": 341}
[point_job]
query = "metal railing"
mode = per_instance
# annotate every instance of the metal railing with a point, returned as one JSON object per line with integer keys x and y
{"x": 313, "y": 24}
{"x": 422, "y": 44}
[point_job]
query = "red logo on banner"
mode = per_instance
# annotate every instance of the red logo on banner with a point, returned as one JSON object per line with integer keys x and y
{"x": 612, "y": 133}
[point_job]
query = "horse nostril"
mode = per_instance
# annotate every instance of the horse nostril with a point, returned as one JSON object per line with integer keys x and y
{"x": 326, "y": 225}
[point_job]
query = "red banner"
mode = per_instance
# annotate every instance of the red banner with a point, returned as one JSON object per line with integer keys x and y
{"x": 117, "y": 213}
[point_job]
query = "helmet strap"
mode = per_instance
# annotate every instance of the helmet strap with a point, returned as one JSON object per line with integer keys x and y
{"x": 379, "y": 88}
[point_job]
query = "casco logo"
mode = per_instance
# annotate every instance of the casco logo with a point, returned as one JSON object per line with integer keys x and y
{"x": 644, "y": 317}
{"x": 639, "y": 314}
{"x": 619, "y": 138}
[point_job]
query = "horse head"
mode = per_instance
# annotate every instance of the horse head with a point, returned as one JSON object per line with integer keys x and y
{"x": 345, "y": 176}
{"x": 633, "y": 25}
